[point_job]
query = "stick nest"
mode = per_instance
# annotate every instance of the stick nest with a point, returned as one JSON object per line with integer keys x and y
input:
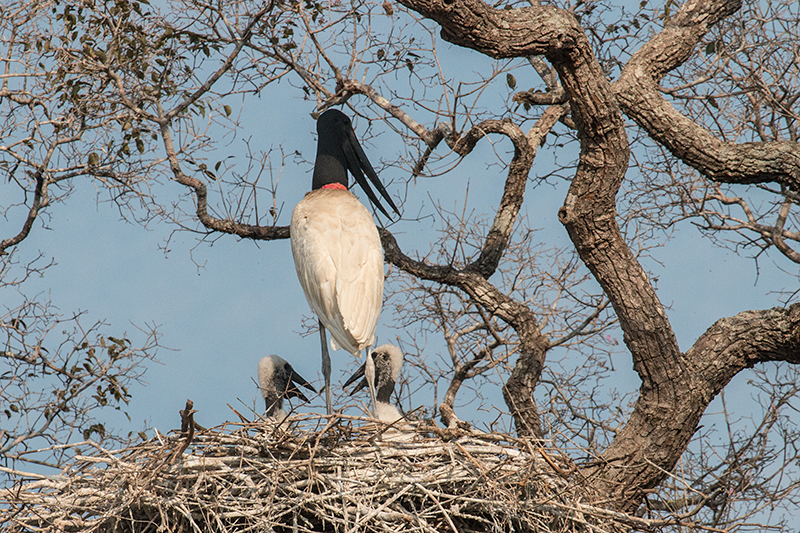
{"x": 323, "y": 474}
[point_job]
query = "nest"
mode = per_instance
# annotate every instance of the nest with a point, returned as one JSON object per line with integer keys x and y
{"x": 323, "y": 474}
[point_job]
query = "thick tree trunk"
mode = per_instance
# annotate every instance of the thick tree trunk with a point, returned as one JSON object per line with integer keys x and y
{"x": 676, "y": 388}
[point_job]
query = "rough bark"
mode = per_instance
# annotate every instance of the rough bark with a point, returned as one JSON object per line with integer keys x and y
{"x": 676, "y": 388}
{"x": 639, "y": 97}
{"x": 661, "y": 425}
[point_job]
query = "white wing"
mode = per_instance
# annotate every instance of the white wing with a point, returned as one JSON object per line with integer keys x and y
{"x": 339, "y": 261}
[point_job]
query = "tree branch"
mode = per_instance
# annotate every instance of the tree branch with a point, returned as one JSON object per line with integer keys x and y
{"x": 639, "y": 97}
{"x": 33, "y": 213}
{"x": 736, "y": 343}
{"x": 518, "y": 391}
{"x": 201, "y": 197}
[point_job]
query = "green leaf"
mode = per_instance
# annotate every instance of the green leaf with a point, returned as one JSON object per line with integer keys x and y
{"x": 511, "y": 81}
{"x": 120, "y": 342}
{"x": 100, "y": 429}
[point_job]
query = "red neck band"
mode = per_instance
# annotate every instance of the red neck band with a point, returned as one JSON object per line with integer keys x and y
{"x": 337, "y": 186}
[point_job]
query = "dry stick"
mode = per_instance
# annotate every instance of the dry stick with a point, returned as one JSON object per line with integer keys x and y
{"x": 187, "y": 426}
{"x": 237, "y": 413}
{"x": 558, "y": 470}
{"x": 439, "y": 505}
{"x": 374, "y": 512}
{"x": 235, "y": 487}
{"x": 472, "y": 459}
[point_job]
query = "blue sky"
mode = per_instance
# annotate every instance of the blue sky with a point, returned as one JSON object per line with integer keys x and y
{"x": 244, "y": 302}
{"x": 221, "y": 305}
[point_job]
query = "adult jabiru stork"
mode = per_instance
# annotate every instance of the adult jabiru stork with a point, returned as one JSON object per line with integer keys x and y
{"x": 278, "y": 381}
{"x": 336, "y": 247}
{"x": 388, "y": 359}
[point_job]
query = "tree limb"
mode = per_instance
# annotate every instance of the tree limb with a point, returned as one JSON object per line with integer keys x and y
{"x": 639, "y": 97}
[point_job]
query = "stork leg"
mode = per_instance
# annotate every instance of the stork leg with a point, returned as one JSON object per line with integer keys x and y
{"x": 369, "y": 373}
{"x": 326, "y": 368}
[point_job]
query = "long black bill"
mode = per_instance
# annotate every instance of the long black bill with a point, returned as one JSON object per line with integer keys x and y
{"x": 358, "y": 375}
{"x": 356, "y": 161}
{"x": 292, "y": 391}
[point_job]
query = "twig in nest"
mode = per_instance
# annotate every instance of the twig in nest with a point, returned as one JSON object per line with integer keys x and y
{"x": 188, "y": 426}
{"x": 450, "y": 418}
{"x": 241, "y": 417}
{"x": 555, "y": 467}
{"x": 325, "y": 474}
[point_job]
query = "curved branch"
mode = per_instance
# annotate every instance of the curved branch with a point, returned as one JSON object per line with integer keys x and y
{"x": 518, "y": 391}
{"x": 513, "y": 193}
{"x": 500, "y": 33}
{"x": 356, "y": 87}
{"x": 33, "y": 213}
{"x": 201, "y": 197}
{"x": 40, "y": 199}
{"x": 639, "y": 97}
{"x": 736, "y": 343}
{"x": 525, "y": 149}
{"x": 728, "y": 347}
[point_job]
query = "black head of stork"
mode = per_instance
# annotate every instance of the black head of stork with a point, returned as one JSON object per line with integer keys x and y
{"x": 339, "y": 151}
{"x": 278, "y": 380}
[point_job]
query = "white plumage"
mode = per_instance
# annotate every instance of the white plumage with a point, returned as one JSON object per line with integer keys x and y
{"x": 336, "y": 247}
{"x": 277, "y": 381}
{"x": 388, "y": 359}
{"x": 339, "y": 261}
